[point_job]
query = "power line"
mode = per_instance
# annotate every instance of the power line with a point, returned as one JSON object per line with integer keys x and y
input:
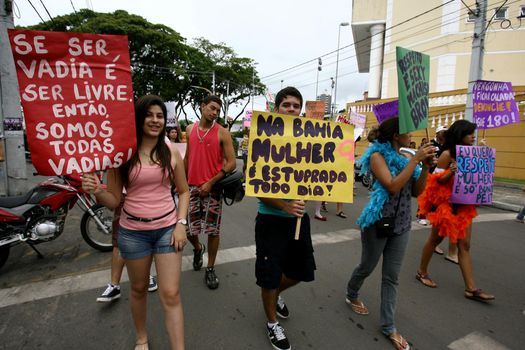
{"x": 74, "y": 9}
{"x": 376, "y": 48}
{"x": 469, "y": 9}
{"x": 494, "y": 15}
{"x": 34, "y": 8}
{"x": 398, "y": 39}
{"x": 386, "y": 36}
{"x": 45, "y": 8}
{"x": 364, "y": 39}
{"x": 394, "y": 60}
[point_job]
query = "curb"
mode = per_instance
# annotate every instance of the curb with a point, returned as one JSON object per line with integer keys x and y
{"x": 506, "y": 206}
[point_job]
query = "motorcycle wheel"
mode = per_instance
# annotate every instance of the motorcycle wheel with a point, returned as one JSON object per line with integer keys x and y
{"x": 92, "y": 232}
{"x": 4, "y": 254}
{"x": 365, "y": 180}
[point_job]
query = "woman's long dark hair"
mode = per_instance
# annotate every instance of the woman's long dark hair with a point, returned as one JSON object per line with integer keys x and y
{"x": 385, "y": 132}
{"x": 161, "y": 152}
{"x": 455, "y": 134}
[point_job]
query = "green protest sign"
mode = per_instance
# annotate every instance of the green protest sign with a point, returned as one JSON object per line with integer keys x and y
{"x": 413, "y": 70}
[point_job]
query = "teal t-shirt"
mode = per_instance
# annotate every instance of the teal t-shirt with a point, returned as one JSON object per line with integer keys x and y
{"x": 269, "y": 210}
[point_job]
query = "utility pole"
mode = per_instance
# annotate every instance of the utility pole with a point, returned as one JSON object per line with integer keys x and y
{"x": 227, "y": 99}
{"x": 476, "y": 60}
{"x": 13, "y": 176}
{"x": 319, "y": 68}
{"x": 213, "y": 82}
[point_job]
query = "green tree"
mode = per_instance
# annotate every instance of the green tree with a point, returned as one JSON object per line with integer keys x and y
{"x": 162, "y": 63}
{"x": 234, "y": 75}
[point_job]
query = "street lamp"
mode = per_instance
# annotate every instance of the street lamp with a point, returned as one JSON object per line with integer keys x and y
{"x": 343, "y": 24}
{"x": 253, "y": 82}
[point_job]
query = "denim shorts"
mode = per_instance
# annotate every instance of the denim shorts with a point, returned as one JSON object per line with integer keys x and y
{"x": 138, "y": 244}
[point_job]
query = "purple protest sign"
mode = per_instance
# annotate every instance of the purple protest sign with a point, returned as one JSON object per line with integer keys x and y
{"x": 494, "y": 104}
{"x": 386, "y": 111}
{"x": 475, "y": 175}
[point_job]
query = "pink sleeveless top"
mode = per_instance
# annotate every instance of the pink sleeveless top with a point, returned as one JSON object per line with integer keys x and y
{"x": 148, "y": 196}
{"x": 205, "y": 158}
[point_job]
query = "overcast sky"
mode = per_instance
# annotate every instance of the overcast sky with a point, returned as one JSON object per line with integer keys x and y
{"x": 277, "y": 34}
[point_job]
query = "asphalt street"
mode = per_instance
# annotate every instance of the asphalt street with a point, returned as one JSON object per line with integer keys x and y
{"x": 50, "y": 302}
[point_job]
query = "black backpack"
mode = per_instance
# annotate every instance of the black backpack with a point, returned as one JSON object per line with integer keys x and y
{"x": 231, "y": 187}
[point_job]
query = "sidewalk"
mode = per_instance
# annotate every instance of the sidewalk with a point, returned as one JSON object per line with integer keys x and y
{"x": 508, "y": 196}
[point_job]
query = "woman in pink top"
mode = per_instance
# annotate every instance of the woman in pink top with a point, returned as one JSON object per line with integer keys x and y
{"x": 150, "y": 225}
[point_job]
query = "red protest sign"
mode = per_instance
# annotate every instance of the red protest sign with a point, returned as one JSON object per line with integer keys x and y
{"x": 77, "y": 98}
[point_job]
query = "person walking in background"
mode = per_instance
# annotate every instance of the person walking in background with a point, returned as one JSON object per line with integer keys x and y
{"x": 281, "y": 261}
{"x": 150, "y": 227}
{"x": 112, "y": 291}
{"x": 447, "y": 219}
{"x": 398, "y": 178}
{"x": 209, "y": 157}
{"x": 438, "y": 142}
{"x": 174, "y": 134}
{"x": 521, "y": 214}
{"x": 244, "y": 150}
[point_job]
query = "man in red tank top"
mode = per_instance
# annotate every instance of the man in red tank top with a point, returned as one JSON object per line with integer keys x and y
{"x": 209, "y": 157}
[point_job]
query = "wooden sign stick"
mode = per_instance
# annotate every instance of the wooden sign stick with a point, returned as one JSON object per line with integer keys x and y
{"x": 298, "y": 228}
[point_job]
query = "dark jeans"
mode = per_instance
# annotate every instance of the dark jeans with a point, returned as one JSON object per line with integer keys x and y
{"x": 393, "y": 250}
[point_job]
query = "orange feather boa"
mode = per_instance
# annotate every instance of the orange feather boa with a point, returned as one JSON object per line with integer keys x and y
{"x": 451, "y": 220}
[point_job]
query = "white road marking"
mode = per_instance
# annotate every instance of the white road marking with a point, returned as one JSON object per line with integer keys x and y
{"x": 78, "y": 283}
{"x": 476, "y": 341}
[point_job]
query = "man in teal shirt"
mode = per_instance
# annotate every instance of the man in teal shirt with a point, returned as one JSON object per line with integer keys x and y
{"x": 282, "y": 261}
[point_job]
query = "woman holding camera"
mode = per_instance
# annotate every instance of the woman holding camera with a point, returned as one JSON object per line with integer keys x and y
{"x": 386, "y": 220}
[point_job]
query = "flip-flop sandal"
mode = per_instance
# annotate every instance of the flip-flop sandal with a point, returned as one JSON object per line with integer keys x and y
{"x": 141, "y": 346}
{"x": 341, "y": 215}
{"x": 398, "y": 343}
{"x": 439, "y": 251}
{"x": 358, "y": 307}
{"x": 452, "y": 260}
{"x": 425, "y": 279}
{"x": 478, "y": 295}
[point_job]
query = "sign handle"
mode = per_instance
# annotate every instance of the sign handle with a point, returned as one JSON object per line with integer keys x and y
{"x": 428, "y": 137}
{"x": 297, "y": 228}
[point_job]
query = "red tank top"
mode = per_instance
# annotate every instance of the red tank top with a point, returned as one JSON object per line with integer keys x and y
{"x": 205, "y": 157}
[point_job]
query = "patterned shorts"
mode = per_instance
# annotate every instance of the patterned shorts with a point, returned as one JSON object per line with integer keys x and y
{"x": 204, "y": 213}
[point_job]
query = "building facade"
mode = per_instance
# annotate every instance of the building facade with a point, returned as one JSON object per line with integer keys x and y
{"x": 443, "y": 30}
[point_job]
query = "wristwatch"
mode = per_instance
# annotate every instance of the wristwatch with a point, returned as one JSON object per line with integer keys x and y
{"x": 182, "y": 221}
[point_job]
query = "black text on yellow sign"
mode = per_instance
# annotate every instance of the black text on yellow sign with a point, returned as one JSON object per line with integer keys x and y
{"x": 293, "y": 157}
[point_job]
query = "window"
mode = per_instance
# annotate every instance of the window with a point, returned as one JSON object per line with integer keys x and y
{"x": 471, "y": 17}
{"x": 501, "y": 14}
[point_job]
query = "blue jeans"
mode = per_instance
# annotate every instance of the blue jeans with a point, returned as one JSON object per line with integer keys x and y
{"x": 393, "y": 250}
{"x": 521, "y": 214}
{"x": 138, "y": 244}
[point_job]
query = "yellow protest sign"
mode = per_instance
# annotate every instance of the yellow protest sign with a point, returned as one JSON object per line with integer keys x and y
{"x": 294, "y": 157}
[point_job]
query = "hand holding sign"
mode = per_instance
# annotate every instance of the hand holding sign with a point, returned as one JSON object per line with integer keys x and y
{"x": 426, "y": 154}
{"x": 474, "y": 175}
{"x": 76, "y": 93}
{"x": 91, "y": 183}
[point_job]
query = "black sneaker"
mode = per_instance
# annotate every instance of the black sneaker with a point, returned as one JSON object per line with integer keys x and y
{"x": 211, "y": 279}
{"x": 197, "y": 257}
{"x": 111, "y": 293}
{"x": 278, "y": 338}
{"x": 282, "y": 310}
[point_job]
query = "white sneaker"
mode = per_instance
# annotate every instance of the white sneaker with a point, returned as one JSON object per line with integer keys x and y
{"x": 152, "y": 284}
{"x": 423, "y": 222}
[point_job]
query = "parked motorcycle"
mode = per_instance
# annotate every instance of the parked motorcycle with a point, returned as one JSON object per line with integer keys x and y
{"x": 39, "y": 216}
